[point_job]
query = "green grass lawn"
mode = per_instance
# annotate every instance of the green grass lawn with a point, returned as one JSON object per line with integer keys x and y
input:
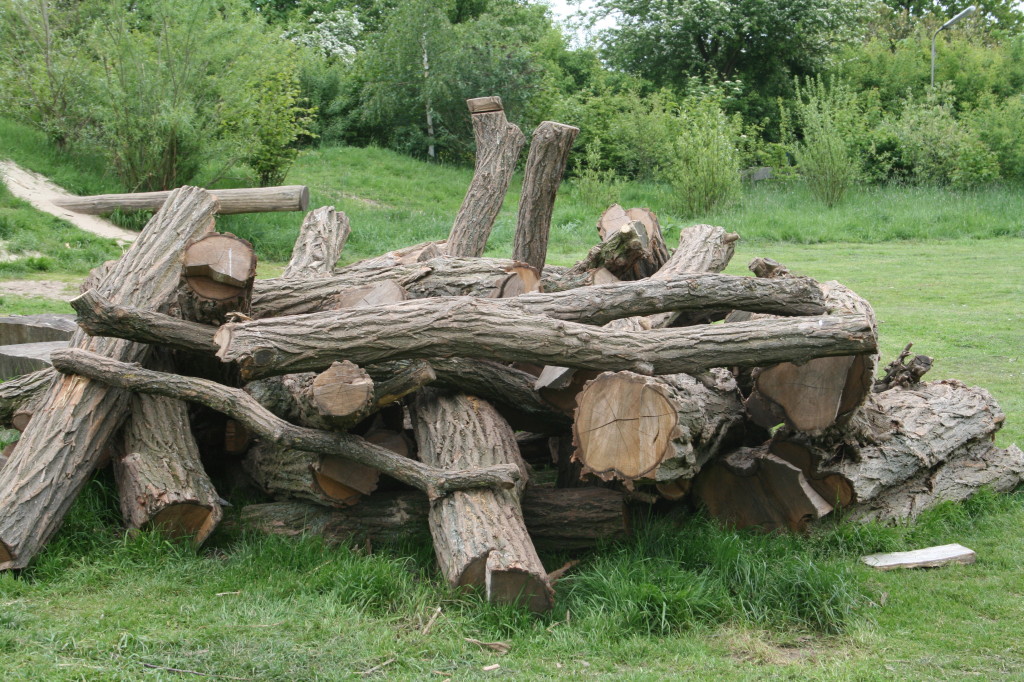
{"x": 682, "y": 599}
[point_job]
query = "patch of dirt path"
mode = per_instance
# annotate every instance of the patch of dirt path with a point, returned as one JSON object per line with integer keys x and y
{"x": 59, "y": 291}
{"x": 37, "y": 190}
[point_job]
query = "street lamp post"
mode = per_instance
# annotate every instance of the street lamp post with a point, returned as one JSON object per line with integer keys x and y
{"x": 966, "y": 13}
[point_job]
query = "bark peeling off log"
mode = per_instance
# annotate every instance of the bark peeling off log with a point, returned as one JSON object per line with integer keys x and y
{"x": 238, "y": 405}
{"x": 474, "y": 327}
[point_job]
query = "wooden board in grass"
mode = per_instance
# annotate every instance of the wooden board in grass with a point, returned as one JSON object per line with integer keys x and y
{"x": 630, "y": 427}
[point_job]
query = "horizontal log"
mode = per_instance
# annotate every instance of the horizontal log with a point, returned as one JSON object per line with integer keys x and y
{"x": 244, "y": 200}
{"x": 470, "y": 327}
{"x": 242, "y": 407}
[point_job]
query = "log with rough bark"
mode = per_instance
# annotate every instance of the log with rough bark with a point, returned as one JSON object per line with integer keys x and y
{"x": 160, "y": 479}
{"x": 630, "y": 427}
{"x": 242, "y": 407}
{"x": 480, "y": 538}
{"x": 77, "y": 417}
{"x": 470, "y": 327}
{"x": 906, "y": 450}
{"x": 325, "y": 479}
{"x": 752, "y": 488}
{"x": 408, "y": 255}
{"x": 655, "y": 250}
{"x": 318, "y": 247}
{"x": 557, "y": 520}
{"x": 498, "y": 144}
{"x": 549, "y": 152}
{"x": 443, "y": 276}
{"x": 245, "y": 200}
{"x": 815, "y": 395}
{"x": 19, "y": 392}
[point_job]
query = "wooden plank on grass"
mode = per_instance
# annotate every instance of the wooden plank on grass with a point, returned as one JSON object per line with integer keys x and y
{"x": 928, "y": 557}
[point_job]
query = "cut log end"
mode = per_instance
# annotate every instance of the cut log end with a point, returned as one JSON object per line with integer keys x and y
{"x": 187, "y": 521}
{"x": 6, "y": 557}
{"x": 342, "y": 389}
{"x": 219, "y": 266}
{"x": 344, "y": 481}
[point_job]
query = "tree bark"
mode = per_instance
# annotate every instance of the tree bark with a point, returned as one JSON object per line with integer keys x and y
{"x": 21, "y": 391}
{"x": 67, "y": 435}
{"x": 326, "y": 479}
{"x": 655, "y": 250}
{"x": 240, "y": 406}
{"x": 480, "y": 538}
{"x": 318, "y": 247}
{"x": 906, "y": 450}
{"x": 161, "y": 482}
{"x": 244, "y": 200}
{"x": 545, "y": 165}
{"x": 498, "y": 144}
{"x": 630, "y": 427}
{"x": 557, "y": 520}
{"x": 479, "y": 328}
{"x": 445, "y": 276}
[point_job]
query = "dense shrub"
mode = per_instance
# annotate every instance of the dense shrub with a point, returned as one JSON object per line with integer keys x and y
{"x": 832, "y": 125}
{"x": 705, "y": 168}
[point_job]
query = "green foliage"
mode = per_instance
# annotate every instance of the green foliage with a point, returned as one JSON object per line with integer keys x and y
{"x": 1000, "y": 126}
{"x": 832, "y": 124}
{"x": 705, "y": 170}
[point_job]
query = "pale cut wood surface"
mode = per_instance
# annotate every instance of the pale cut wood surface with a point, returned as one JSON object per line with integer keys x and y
{"x": 244, "y": 200}
{"x": 929, "y": 557}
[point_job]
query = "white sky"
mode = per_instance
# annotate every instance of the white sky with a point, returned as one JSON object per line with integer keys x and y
{"x": 563, "y": 10}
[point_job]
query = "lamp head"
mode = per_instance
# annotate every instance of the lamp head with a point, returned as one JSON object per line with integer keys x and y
{"x": 966, "y": 13}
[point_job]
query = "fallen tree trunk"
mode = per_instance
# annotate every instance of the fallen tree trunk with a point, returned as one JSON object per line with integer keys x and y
{"x": 480, "y": 538}
{"x": 630, "y": 427}
{"x": 318, "y": 247}
{"x": 473, "y": 327}
{"x": 240, "y": 406}
{"x": 67, "y": 434}
{"x": 549, "y": 152}
{"x": 245, "y": 200}
{"x": 558, "y": 520}
{"x": 498, "y": 144}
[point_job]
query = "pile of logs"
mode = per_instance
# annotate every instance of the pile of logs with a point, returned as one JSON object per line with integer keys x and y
{"x": 505, "y": 405}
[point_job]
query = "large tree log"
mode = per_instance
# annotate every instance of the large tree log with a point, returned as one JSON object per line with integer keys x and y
{"x": 480, "y": 538}
{"x": 472, "y": 327}
{"x": 67, "y": 434}
{"x": 20, "y": 391}
{"x": 549, "y": 152}
{"x": 882, "y": 462}
{"x": 630, "y": 427}
{"x": 443, "y": 276}
{"x": 557, "y": 520}
{"x": 498, "y": 144}
{"x": 242, "y": 407}
{"x": 161, "y": 482}
{"x": 244, "y": 200}
{"x": 752, "y": 488}
{"x": 318, "y": 247}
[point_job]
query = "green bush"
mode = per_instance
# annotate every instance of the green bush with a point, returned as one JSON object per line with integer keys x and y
{"x": 831, "y": 121}
{"x": 705, "y": 167}
{"x": 1000, "y": 125}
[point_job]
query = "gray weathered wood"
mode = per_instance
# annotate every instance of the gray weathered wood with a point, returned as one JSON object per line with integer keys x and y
{"x": 24, "y": 358}
{"x": 15, "y": 329}
{"x": 929, "y": 557}
{"x": 244, "y": 200}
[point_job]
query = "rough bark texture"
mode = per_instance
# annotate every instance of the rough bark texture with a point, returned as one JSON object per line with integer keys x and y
{"x": 318, "y": 247}
{"x": 240, "y": 406}
{"x": 160, "y": 480}
{"x": 245, "y": 200}
{"x": 67, "y": 435}
{"x": 655, "y": 250}
{"x": 325, "y": 479}
{"x": 752, "y": 488}
{"x": 906, "y": 450}
{"x": 444, "y": 276}
{"x": 23, "y": 390}
{"x": 480, "y": 538}
{"x": 549, "y": 152}
{"x": 630, "y": 427}
{"x": 557, "y": 520}
{"x": 474, "y": 327}
{"x": 498, "y": 144}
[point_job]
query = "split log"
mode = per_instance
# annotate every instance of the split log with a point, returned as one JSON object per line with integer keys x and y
{"x": 318, "y": 247}
{"x": 471, "y": 327}
{"x": 244, "y": 200}
{"x": 67, "y": 435}
{"x": 498, "y": 144}
{"x": 557, "y": 520}
{"x": 752, "y": 488}
{"x": 445, "y": 276}
{"x": 160, "y": 479}
{"x": 480, "y": 538}
{"x": 218, "y": 271}
{"x": 906, "y": 450}
{"x": 381, "y": 293}
{"x": 326, "y": 479}
{"x": 549, "y": 152}
{"x": 240, "y": 406}
{"x": 630, "y": 427}
{"x": 655, "y": 250}
{"x": 15, "y": 329}
{"x": 17, "y": 393}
